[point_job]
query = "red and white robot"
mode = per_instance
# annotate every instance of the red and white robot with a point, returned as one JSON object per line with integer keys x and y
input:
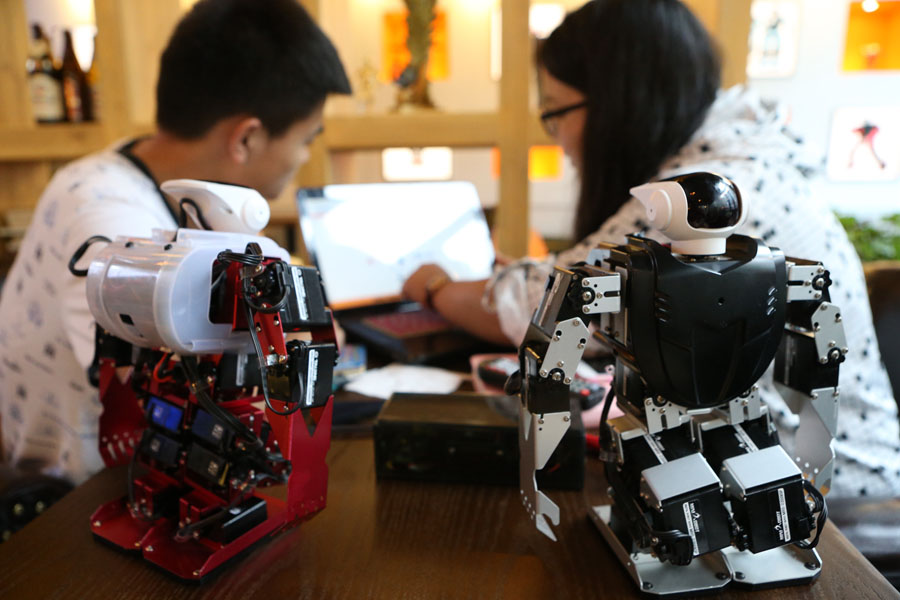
{"x": 205, "y": 395}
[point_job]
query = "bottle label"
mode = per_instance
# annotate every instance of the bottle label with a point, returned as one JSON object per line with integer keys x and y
{"x": 72, "y": 93}
{"x": 46, "y": 97}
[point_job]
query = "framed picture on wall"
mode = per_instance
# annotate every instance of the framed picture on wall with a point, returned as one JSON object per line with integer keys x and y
{"x": 865, "y": 144}
{"x": 773, "y": 38}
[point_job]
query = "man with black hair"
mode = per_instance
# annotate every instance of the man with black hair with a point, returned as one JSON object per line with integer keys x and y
{"x": 241, "y": 90}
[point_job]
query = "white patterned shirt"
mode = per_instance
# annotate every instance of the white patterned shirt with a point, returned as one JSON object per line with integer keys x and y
{"x": 50, "y": 412}
{"x": 744, "y": 139}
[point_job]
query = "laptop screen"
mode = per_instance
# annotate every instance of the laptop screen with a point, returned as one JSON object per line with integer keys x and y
{"x": 366, "y": 239}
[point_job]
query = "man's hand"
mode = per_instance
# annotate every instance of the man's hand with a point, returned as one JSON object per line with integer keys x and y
{"x": 416, "y": 287}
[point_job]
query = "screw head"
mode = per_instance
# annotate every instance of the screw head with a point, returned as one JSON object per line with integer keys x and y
{"x": 647, "y": 585}
{"x": 812, "y": 566}
{"x": 739, "y": 575}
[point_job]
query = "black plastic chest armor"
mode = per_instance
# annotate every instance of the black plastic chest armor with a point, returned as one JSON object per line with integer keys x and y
{"x": 703, "y": 331}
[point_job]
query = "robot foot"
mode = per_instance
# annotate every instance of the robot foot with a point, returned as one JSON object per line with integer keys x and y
{"x": 786, "y": 565}
{"x": 705, "y": 574}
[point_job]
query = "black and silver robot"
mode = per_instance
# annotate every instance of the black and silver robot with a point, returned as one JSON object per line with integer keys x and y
{"x": 703, "y": 494}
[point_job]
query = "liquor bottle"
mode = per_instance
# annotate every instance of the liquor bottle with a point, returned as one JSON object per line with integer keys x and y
{"x": 92, "y": 76}
{"x": 44, "y": 80}
{"x": 75, "y": 87}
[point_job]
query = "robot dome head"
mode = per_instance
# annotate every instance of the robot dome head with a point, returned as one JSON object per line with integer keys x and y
{"x": 697, "y": 211}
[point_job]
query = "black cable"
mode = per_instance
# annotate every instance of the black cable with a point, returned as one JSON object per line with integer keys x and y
{"x": 197, "y": 216}
{"x": 822, "y": 509}
{"x": 255, "y": 259}
{"x": 605, "y": 438}
{"x": 80, "y": 252}
{"x": 261, "y": 358}
{"x": 268, "y": 310}
{"x": 188, "y": 366}
{"x": 252, "y": 260}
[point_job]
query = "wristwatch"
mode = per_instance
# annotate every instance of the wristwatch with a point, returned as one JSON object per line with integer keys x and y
{"x": 433, "y": 286}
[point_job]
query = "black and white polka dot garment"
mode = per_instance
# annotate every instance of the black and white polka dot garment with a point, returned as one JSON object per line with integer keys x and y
{"x": 50, "y": 413}
{"x": 745, "y": 140}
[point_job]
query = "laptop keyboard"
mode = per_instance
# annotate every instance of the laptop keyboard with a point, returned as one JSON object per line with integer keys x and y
{"x": 409, "y": 324}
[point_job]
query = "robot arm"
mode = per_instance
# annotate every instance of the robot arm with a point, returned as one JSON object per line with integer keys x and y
{"x": 548, "y": 357}
{"x": 806, "y": 367}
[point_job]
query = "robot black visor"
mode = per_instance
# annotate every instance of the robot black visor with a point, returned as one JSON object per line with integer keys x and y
{"x": 713, "y": 201}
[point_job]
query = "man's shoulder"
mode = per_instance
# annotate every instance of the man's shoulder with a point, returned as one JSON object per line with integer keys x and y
{"x": 102, "y": 174}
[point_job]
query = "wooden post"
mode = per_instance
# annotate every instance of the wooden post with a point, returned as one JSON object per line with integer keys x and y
{"x": 512, "y": 213}
{"x": 729, "y": 23}
{"x": 15, "y": 100}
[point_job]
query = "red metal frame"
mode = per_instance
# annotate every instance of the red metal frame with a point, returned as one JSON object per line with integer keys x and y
{"x": 303, "y": 438}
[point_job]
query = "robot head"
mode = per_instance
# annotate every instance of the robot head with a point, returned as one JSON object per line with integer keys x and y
{"x": 697, "y": 211}
{"x": 226, "y": 207}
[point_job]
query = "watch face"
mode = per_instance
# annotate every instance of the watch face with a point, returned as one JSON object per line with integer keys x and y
{"x": 713, "y": 201}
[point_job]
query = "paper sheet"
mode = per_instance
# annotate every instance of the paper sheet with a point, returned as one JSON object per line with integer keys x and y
{"x": 381, "y": 383}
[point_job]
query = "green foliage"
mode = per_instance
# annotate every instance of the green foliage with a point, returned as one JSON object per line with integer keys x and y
{"x": 876, "y": 239}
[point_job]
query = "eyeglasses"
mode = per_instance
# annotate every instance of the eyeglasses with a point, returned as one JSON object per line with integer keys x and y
{"x": 549, "y": 118}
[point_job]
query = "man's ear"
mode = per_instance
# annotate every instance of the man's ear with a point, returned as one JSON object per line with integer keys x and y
{"x": 246, "y": 139}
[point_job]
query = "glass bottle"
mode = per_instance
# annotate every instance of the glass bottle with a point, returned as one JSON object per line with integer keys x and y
{"x": 44, "y": 80}
{"x": 76, "y": 91}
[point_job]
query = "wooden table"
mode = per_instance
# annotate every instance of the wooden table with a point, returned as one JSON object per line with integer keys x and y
{"x": 392, "y": 540}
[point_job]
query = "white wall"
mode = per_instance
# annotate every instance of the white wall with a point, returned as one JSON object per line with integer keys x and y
{"x": 819, "y": 87}
{"x": 55, "y": 16}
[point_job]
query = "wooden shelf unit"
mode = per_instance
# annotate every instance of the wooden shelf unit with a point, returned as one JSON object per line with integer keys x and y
{"x": 132, "y": 34}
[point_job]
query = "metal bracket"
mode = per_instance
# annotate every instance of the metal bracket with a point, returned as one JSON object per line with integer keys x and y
{"x": 606, "y": 290}
{"x": 800, "y": 282}
{"x": 785, "y": 565}
{"x": 565, "y": 349}
{"x": 745, "y": 407}
{"x": 539, "y": 435}
{"x": 818, "y": 413}
{"x": 705, "y": 574}
{"x": 667, "y": 416}
{"x": 828, "y": 331}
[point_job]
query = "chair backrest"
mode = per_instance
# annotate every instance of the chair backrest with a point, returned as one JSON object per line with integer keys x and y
{"x": 883, "y": 280}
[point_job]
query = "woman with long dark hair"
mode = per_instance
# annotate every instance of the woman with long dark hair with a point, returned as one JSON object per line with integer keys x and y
{"x": 630, "y": 90}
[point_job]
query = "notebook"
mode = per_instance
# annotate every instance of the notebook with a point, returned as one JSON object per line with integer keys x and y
{"x": 366, "y": 239}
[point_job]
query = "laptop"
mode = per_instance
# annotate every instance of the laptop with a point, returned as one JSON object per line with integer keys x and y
{"x": 367, "y": 239}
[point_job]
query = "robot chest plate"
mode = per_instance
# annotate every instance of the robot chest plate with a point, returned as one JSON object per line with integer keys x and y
{"x": 704, "y": 332}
